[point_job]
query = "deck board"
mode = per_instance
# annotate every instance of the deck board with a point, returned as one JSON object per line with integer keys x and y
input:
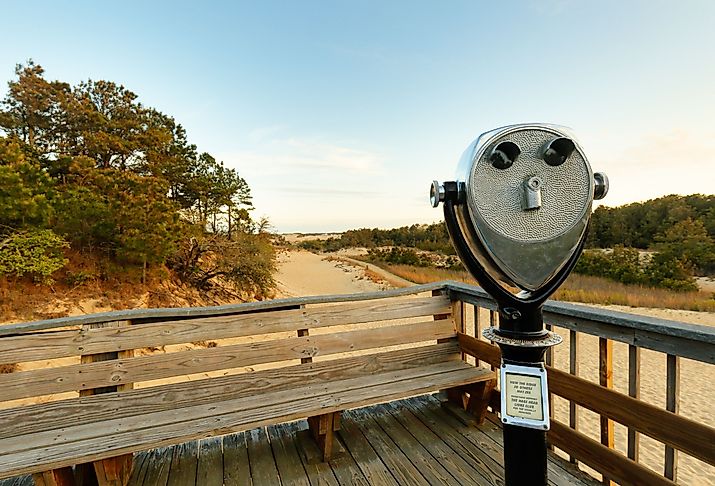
{"x": 407, "y": 442}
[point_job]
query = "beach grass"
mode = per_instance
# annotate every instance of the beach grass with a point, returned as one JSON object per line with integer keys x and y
{"x": 578, "y": 288}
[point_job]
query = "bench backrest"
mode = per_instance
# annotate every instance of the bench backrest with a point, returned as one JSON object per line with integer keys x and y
{"x": 62, "y": 363}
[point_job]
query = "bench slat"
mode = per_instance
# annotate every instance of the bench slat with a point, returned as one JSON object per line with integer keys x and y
{"x": 66, "y": 413}
{"x": 120, "y": 436}
{"x": 48, "y": 381}
{"x": 59, "y": 344}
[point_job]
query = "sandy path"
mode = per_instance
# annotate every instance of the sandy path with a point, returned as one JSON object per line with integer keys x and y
{"x": 301, "y": 273}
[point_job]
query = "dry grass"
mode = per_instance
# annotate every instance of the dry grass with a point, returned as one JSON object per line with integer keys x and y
{"x": 580, "y": 288}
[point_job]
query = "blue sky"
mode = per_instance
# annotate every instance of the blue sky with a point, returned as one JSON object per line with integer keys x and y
{"x": 339, "y": 114}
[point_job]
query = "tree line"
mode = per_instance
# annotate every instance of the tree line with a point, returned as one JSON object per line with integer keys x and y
{"x": 90, "y": 168}
{"x": 662, "y": 242}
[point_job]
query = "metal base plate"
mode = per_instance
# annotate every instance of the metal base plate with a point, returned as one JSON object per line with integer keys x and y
{"x": 551, "y": 339}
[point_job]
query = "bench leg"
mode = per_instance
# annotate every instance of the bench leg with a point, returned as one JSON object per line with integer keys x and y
{"x": 55, "y": 477}
{"x": 479, "y": 397}
{"x": 114, "y": 471}
{"x": 323, "y": 427}
{"x": 473, "y": 399}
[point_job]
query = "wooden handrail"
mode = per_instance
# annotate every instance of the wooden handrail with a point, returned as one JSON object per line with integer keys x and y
{"x": 691, "y": 437}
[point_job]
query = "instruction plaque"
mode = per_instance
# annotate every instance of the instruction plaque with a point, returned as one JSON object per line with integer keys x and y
{"x": 524, "y": 396}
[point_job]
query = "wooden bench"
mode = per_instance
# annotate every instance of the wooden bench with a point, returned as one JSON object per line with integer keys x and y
{"x": 84, "y": 394}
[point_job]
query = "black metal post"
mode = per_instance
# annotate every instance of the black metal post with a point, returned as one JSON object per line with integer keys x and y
{"x": 524, "y": 448}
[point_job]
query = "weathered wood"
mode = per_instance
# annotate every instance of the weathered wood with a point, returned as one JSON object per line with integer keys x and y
{"x": 55, "y": 477}
{"x": 319, "y": 472}
{"x": 480, "y": 349}
{"x": 183, "y": 465}
{"x": 365, "y": 456}
{"x": 175, "y": 313}
{"x": 236, "y": 469}
{"x": 685, "y": 340}
{"x": 121, "y": 371}
{"x": 454, "y": 464}
{"x": 390, "y": 454}
{"x": 634, "y": 386}
{"x": 285, "y": 453}
{"x": 574, "y": 370}
{"x": 322, "y": 428}
{"x": 479, "y": 395}
{"x": 448, "y": 429}
{"x": 694, "y": 438}
{"x": 345, "y": 469}
{"x": 193, "y": 422}
{"x": 112, "y": 471}
{"x": 605, "y": 378}
{"x": 86, "y": 340}
{"x": 263, "y": 467}
{"x": 209, "y": 470}
{"x": 607, "y": 461}
{"x": 672, "y": 404}
{"x": 158, "y": 467}
{"x": 67, "y": 413}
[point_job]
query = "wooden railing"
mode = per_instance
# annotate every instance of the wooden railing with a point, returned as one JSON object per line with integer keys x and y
{"x": 672, "y": 340}
{"x": 587, "y": 331}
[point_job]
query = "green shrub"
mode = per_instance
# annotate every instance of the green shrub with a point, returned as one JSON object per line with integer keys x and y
{"x": 38, "y": 253}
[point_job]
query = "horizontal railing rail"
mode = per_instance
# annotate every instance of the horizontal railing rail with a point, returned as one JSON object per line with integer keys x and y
{"x": 674, "y": 339}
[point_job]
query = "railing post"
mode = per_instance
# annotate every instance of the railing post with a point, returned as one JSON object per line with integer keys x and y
{"x": 574, "y": 370}
{"x": 672, "y": 404}
{"x": 634, "y": 390}
{"x": 477, "y": 327}
{"x": 605, "y": 375}
{"x": 114, "y": 471}
{"x": 549, "y": 361}
{"x": 322, "y": 427}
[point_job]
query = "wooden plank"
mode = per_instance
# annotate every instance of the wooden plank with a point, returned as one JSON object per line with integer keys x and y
{"x": 154, "y": 430}
{"x": 457, "y": 469}
{"x": 605, "y": 378}
{"x": 236, "y": 469}
{"x": 112, "y": 471}
{"x": 139, "y": 471}
{"x": 693, "y": 438}
{"x": 67, "y": 413}
{"x": 120, "y": 371}
{"x": 481, "y": 350}
{"x": 140, "y": 315}
{"x": 55, "y": 477}
{"x": 604, "y": 459}
{"x": 318, "y": 472}
{"x": 263, "y": 467}
{"x": 396, "y": 457}
{"x": 366, "y": 389}
{"x": 426, "y": 464}
{"x": 183, "y": 464}
{"x": 365, "y": 456}
{"x": 345, "y": 468}
{"x": 58, "y": 344}
{"x": 210, "y": 465}
{"x": 574, "y": 351}
{"x": 290, "y": 467}
{"x": 158, "y": 467}
{"x": 672, "y": 399}
{"x": 448, "y": 430}
{"x": 634, "y": 387}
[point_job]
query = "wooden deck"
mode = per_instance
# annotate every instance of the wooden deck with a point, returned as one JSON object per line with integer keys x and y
{"x": 408, "y": 442}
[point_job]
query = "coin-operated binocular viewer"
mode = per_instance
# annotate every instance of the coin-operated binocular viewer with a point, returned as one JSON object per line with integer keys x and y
{"x": 517, "y": 214}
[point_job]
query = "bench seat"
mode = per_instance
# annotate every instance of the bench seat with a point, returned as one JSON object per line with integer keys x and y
{"x": 37, "y": 437}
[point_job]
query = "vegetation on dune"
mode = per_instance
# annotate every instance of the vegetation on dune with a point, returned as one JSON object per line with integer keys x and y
{"x": 89, "y": 170}
{"x": 578, "y": 288}
{"x": 662, "y": 243}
